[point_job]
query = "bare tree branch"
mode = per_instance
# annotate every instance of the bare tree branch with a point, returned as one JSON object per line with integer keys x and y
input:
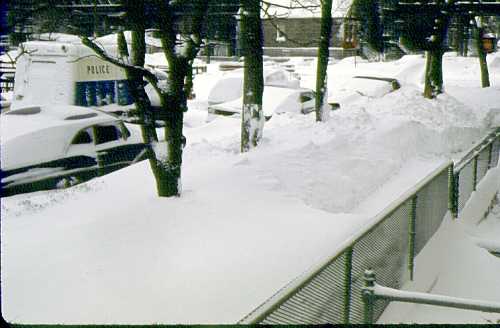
{"x": 104, "y": 55}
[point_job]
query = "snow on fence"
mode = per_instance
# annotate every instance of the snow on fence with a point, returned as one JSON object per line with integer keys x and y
{"x": 332, "y": 291}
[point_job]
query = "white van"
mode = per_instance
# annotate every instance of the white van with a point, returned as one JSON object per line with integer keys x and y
{"x": 69, "y": 73}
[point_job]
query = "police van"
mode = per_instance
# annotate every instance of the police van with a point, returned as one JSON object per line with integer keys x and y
{"x": 69, "y": 73}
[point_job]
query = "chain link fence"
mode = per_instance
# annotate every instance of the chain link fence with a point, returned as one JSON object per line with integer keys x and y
{"x": 471, "y": 170}
{"x": 331, "y": 292}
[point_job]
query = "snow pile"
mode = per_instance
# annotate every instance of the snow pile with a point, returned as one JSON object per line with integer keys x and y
{"x": 246, "y": 224}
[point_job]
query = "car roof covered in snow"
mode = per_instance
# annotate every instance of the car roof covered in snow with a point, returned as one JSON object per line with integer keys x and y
{"x": 43, "y": 132}
{"x": 229, "y": 86}
{"x": 274, "y": 100}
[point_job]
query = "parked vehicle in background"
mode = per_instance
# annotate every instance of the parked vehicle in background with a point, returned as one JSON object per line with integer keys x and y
{"x": 275, "y": 100}
{"x": 361, "y": 86}
{"x": 51, "y": 146}
{"x": 68, "y": 73}
{"x": 230, "y": 85}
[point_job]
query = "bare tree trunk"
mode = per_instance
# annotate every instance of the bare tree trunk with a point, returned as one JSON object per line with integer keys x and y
{"x": 179, "y": 86}
{"x": 135, "y": 78}
{"x": 252, "y": 118}
{"x": 434, "y": 74}
{"x": 166, "y": 166}
{"x": 481, "y": 53}
{"x": 322, "y": 112}
{"x": 461, "y": 39}
{"x": 434, "y": 65}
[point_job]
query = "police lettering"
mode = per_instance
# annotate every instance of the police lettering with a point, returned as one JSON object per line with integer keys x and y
{"x": 97, "y": 69}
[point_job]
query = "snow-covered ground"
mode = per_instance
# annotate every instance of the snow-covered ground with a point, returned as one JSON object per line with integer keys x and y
{"x": 111, "y": 251}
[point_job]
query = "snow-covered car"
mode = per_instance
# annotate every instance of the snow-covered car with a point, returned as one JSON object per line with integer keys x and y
{"x": 358, "y": 87}
{"x": 275, "y": 100}
{"x": 230, "y": 85}
{"x": 46, "y": 147}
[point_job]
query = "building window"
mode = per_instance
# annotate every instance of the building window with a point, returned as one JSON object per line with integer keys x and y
{"x": 280, "y": 33}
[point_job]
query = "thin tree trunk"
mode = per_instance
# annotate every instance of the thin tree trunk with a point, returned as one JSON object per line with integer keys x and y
{"x": 174, "y": 105}
{"x": 135, "y": 79}
{"x": 461, "y": 39}
{"x": 179, "y": 86}
{"x": 434, "y": 65}
{"x": 434, "y": 74}
{"x": 322, "y": 112}
{"x": 427, "y": 80}
{"x": 252, "y": 118}
{"x": 481, "y": 53}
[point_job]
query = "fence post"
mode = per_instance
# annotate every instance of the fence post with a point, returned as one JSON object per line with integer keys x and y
{"x": 474, "y": 169}
{"x": 456, "y": 193}
{"x": 347, "y": 284}
{"x": 368, "y": 296}
{"x": 411, "y": 235}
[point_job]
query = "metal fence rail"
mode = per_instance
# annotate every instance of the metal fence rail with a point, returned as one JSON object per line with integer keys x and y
{"x": 373, "y": 293}
{"x": 331, "y": 292}
{"x": 470, "y": 171}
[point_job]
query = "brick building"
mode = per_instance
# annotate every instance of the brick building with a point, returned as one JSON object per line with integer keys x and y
{"x": 291, "y": 29}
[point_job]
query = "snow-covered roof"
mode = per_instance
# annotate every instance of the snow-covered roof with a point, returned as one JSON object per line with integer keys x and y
{"x": 61, "y": 37}
{"x": 111, "y": 39}
{"x": 26, "y": 133}
{"x": 68, "y": 47}
{"x": 303, "y": 8}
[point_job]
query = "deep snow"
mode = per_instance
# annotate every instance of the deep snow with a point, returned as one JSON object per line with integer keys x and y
{"x": 111, "y": 251}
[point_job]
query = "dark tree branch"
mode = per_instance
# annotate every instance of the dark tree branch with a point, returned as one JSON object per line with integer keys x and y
{"x": 104, "y": 55}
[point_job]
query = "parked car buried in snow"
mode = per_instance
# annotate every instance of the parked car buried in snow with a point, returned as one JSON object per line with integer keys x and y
{"x": 47, "y": 147}
{"x": 275, "y": 100}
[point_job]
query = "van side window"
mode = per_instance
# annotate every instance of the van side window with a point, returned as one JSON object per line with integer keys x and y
{"x": 107, "y": 133}
{"x": 83, "y": 137}
{"x": 102, "y": 93}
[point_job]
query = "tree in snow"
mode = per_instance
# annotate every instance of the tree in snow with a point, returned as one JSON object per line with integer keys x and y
{"x": 477, "y": 28}
{"x": 323, "y": 42}
{"x": 423, "y": 26}
{"x": 252, "y": 118}
{"x": 426, "y": 28}
{"x": 322, "y": 111}
{"x": 180, "y": 52}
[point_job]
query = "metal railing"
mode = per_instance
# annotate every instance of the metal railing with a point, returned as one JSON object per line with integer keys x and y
{"x": 331, "y": 292}
{"x": 472, "y": 168}
{"x": 373, "y": 292}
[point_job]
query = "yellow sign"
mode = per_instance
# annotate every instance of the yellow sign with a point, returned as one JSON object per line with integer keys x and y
{"x": 93, "y": 68}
